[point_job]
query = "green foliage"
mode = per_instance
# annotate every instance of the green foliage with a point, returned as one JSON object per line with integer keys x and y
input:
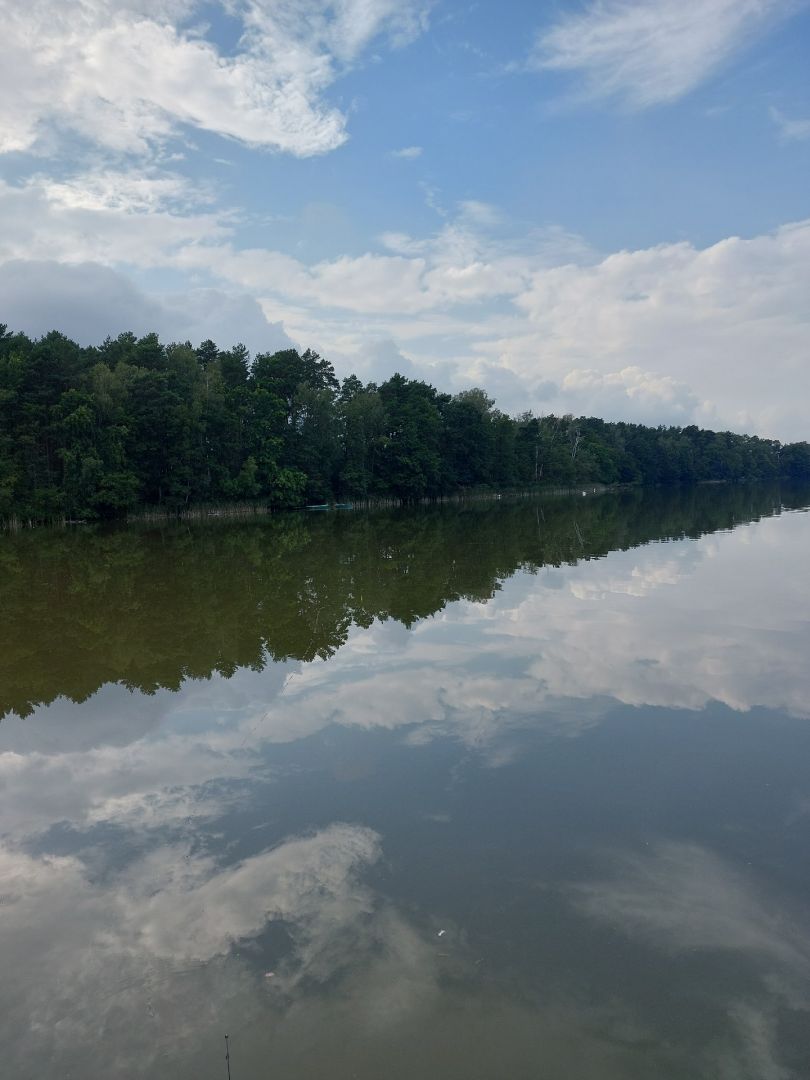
{"x": 96, "y": 432}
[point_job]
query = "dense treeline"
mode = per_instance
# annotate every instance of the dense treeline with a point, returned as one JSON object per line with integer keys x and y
{"x": 96, "y": 432}
{"x": 150, "y": 607}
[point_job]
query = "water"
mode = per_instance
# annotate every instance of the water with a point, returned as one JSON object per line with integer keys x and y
{"x": 488, "y": 790}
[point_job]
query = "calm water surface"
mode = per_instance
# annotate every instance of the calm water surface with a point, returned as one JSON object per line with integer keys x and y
{"x": 486, "y": 791}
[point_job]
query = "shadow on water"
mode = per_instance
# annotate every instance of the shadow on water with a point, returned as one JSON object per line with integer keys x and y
{"x": 149, "y": 608}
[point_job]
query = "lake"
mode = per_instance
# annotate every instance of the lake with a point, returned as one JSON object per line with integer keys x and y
{"x": 493, "y": 789}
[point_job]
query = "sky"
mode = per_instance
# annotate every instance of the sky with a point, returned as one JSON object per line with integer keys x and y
{"x": 586, "y": 206}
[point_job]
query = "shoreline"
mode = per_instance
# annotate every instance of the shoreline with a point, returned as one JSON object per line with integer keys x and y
{"x": 236, "y": 510}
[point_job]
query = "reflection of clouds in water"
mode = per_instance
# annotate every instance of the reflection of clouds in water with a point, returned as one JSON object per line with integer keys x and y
{"x": 77, "y": 988}
{"x": 732, "y": 629}
{"x": 674, "y": 625}
{"x": 114, "y": 716}
{"x": 109, "y": 717}
{"x": 156, "y": 777}
{"x": 151, "y": 783}
{"x": 754, "y": 1054}
{"x": 642, "y": 579}
{"x": 142, "y": 959}
{"x": 84, "y": 952}
{"x": 681, "y": 898}
{"x": 193, "y": 910}
{"x": 140, "y": 965}
{"x": 442, "y": 696}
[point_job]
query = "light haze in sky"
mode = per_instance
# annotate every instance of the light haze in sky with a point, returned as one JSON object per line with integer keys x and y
{"x": 600, "y": 206}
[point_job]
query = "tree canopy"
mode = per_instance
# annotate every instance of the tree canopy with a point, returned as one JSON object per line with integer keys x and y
{"x": 97, "y": 432}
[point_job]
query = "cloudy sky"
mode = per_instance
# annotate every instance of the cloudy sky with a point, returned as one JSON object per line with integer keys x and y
{"x": 582, "y": 206}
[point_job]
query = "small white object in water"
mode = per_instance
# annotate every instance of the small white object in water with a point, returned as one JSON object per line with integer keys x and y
{"x": 269, "y": 974}
{"x": 441, "y": 933}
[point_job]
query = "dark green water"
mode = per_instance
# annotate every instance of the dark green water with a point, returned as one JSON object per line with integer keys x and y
{"x": 501, "y": 790}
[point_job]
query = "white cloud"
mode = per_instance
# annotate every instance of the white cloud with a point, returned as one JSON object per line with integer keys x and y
{"x": 56, "y": 220}
{"x": 725, "y": 326}
{"x": 463, "y": 263}
{"x": 475, "y": 212}
{"x": 141, "y": 191}
{"x": 129, "y": 75}
{"x": 667, "y": 334}
{"x": 407, "y": 152}
{"x": 790, "y": 130}
{"x": 633, "y": 394}
{"x": 649, "y": 52}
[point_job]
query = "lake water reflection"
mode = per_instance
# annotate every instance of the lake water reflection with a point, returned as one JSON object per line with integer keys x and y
{"x": 515, "y": 789}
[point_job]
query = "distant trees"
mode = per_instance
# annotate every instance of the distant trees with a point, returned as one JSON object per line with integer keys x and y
{"x": 94, "y": 432}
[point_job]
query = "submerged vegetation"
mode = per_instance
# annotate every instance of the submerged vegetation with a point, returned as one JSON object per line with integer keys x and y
{"x": 99, "y": 432}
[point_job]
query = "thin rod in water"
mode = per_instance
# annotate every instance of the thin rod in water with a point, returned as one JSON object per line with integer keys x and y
{"x": 228, "y": 1057}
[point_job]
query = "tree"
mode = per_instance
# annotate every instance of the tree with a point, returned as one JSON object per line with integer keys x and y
{"x": 95, "y": 432}
{"x": 468, "y": 439}
{"x": 410, "y": 460}
{"x": 363, "y": 425}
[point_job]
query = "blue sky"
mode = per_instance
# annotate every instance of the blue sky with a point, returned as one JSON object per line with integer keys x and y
{"x": 583, "y": 207}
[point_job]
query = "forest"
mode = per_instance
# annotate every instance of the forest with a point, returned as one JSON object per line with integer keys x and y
{"x": 104, "y": 431}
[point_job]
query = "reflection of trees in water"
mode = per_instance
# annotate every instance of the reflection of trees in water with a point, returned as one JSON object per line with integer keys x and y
{"x": 150, "y": 608}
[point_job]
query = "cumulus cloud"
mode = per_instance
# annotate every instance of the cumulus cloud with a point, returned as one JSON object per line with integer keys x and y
{"x": 82, "y": 220}
{"x": 631, "y": 394}
{"x": 650, "y": 52}
{"x": 464, "y": 263}
{"x": 407, "y": 152}
{"x": 128, "y": 76}
{"x": 146, "y": 190}
{"x": 88, "y": 302}
{"x": 724, "y": 326}
{"x": 376, "y": 361}
{"x": 673, "y": 333}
